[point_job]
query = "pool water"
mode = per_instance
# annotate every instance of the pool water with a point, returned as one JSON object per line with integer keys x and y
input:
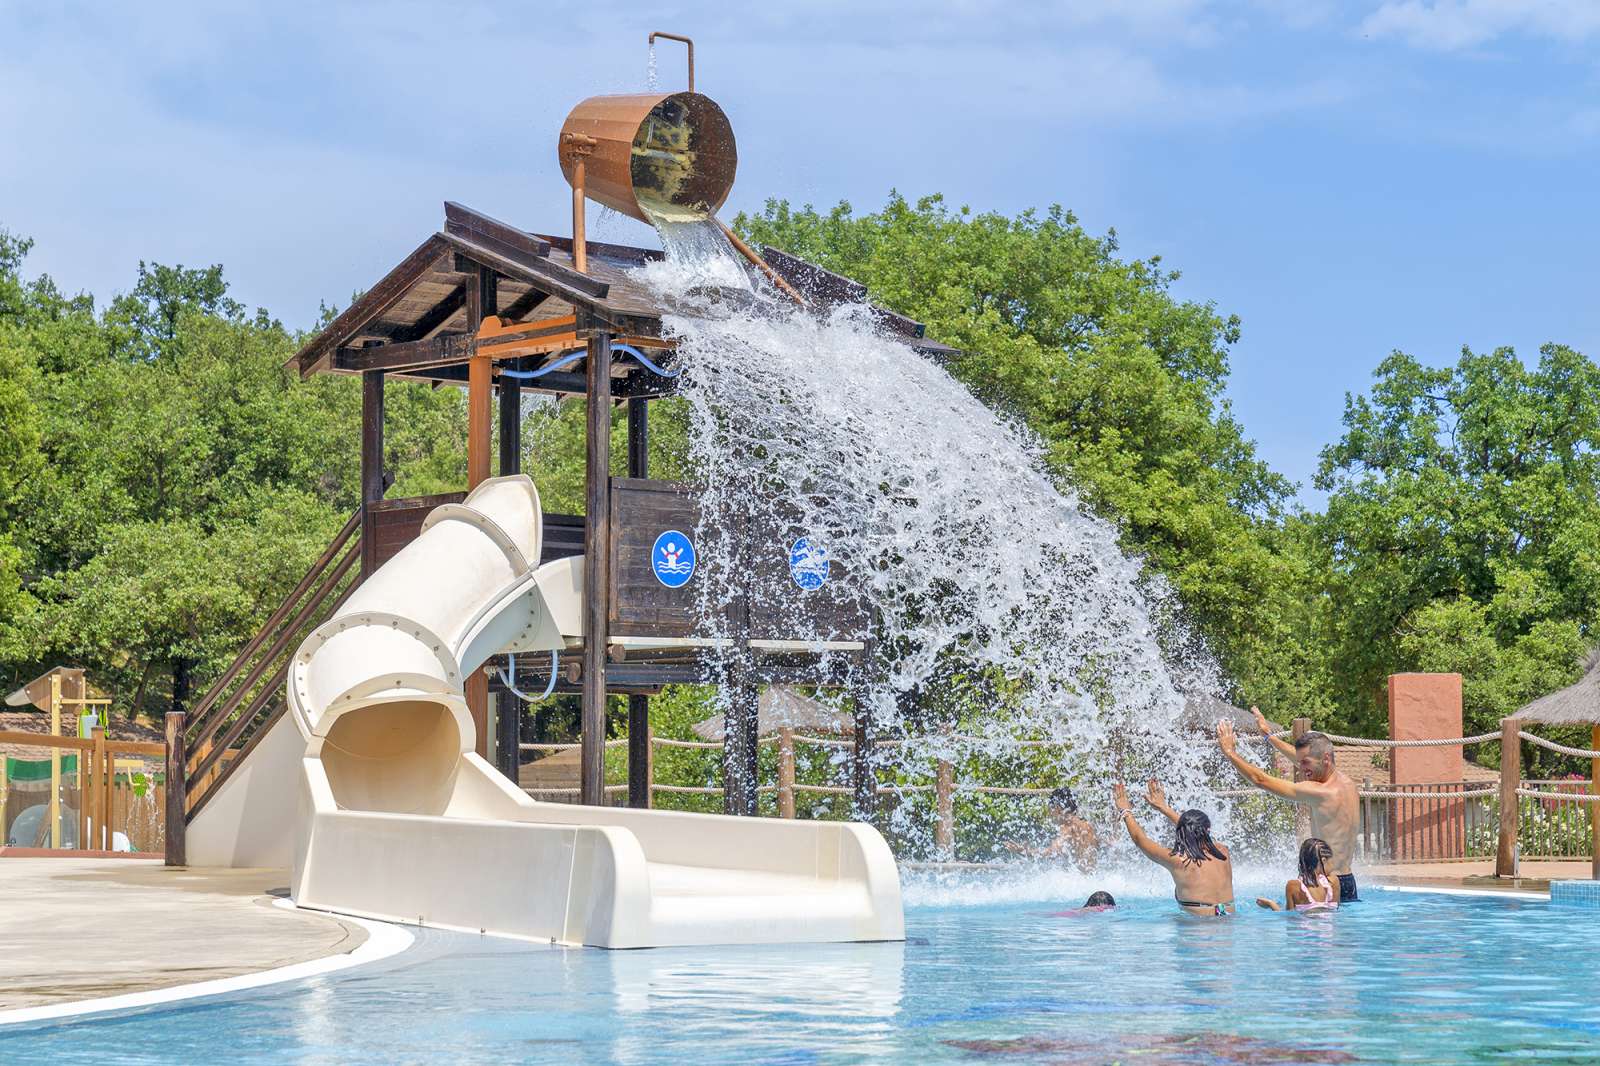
{"x": 988, "y": 974}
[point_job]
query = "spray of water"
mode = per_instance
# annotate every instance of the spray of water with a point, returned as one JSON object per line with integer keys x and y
{"x": 1003, "y": 608}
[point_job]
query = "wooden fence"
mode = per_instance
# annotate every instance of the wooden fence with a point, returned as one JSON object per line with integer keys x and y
{"x": 101, "y": 801}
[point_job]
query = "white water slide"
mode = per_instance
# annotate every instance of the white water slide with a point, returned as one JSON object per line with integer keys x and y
{"x": 370, "y": 787}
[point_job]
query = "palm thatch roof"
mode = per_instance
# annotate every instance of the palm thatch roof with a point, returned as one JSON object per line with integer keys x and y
{"x": 1577, "y": 704}
{"x": 782, "y": 706}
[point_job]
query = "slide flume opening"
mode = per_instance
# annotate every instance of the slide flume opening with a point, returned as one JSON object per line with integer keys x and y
{"x": 398, "y": 758}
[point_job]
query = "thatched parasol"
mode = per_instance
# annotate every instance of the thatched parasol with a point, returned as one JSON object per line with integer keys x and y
{"x": 1577, "y": 704}
{"x": 783, "y": 707}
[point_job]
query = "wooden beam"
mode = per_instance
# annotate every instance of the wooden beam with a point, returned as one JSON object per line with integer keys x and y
{"x": 525, "y": 305}
{"x": 638, "y": 706}
{"x": 552, "y": 277}
{"x": 492, "y": 233}
{"x": 480, "y": 378}
{"x": 373, "y": 303}
{"x": 371, "y": 464}
{"x": 596, "y": 571}
{"x": 864, "y": 774}
{"x": 408, "y": 355}
{"x": 434, "y": 319}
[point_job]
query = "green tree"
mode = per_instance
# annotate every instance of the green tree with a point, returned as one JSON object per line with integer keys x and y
{"x": 1122, "y": 381}
{"x": 1462, "y": 530}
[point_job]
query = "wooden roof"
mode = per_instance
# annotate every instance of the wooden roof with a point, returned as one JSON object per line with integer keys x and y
{"x": 413, "y": 321}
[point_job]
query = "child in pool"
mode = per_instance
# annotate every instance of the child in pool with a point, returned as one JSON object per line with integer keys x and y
{"x": 1098, "y": 903}
{"x": 1313, "y": 890}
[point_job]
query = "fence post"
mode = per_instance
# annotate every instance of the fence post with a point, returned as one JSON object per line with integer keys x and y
{"x": 785, "y": 771}
{"x": 177, "y": 853}
{"x": 1594, "y": 808}
{"x": 944, "y": 797}
{"x": 1302, "y": 814}
{"x": 1505, "y": 861}
{"x": 102, "y": 791}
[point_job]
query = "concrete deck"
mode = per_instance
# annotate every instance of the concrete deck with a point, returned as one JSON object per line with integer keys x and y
{"x": 1476, "y": 873}
{"x": 83, "y": 928}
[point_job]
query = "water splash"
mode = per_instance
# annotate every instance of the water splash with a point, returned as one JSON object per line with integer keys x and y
{"x": 652, "y": 79}
{"x": 1004, "y": 608}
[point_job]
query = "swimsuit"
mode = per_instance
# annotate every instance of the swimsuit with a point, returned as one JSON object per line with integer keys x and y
{"x": 1347, "y": 888}
{"x": 1218, "y": 909}
{"x": 1329, "y": 903}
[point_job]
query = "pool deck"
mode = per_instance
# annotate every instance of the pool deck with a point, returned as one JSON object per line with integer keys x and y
{"x": 1475, "y": 874}
{"x": 85, "y": 928}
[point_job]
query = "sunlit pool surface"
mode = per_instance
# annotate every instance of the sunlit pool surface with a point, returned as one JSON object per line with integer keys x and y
{"x": 988, "y": 975}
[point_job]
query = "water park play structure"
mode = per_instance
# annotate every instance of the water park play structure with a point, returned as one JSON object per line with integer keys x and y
{"x": 352, "y": 738}
{"x": 375, "y": 785}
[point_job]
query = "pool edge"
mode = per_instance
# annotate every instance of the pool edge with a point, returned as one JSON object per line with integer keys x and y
{"x": 384, "y": 940}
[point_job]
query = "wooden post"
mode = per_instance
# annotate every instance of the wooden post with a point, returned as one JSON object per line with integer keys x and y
{"x": 596, "y": 570}
{"x": 177, "y": 815}
{"x": 864, "y": 776}
{"x": 639, "y": 748}
{"x": 108, "y": 781}
{"x": 944, "y": 798}
{"x": 102, "y": 791}
{"x": 740, "y": 734}
{"x": 508, "y": 708}
{"x": 785, "y": 771}
{"x": 55, "y": 760}
{"x": 1505, "y": 861}
{"x": 371, "y": 464}
{"x": 1302, "y": 814}
{"x": 1594, "y": 808}
{"x": 480, "y": 388}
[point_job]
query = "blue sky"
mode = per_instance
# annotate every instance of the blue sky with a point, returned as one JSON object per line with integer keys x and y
{"x": 1348, "y": 178}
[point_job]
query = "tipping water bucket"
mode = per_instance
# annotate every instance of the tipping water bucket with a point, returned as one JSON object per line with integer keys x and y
{"x": 652, "y": 156}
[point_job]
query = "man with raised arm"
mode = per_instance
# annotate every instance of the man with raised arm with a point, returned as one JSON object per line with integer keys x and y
{"x": 1331, "y": 796}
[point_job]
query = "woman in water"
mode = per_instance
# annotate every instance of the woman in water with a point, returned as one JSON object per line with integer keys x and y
{"x": 1202, "y": 872}
{"x": 1312, "y": 890}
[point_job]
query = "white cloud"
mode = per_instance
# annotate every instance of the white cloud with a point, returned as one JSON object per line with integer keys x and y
{"x": 1455, "y": 25}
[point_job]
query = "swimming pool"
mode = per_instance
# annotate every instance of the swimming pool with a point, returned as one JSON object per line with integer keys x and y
{"x": 987, "y": 974}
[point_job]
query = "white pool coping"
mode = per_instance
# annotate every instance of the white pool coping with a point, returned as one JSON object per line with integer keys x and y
{"x": 383, "y": 941}
{"x": 1498, "y": 893}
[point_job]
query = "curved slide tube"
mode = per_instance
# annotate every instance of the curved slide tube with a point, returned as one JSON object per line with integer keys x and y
{"x": 396, "y": 816}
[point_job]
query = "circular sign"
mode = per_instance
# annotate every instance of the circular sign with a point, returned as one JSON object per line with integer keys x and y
{"x": 808, "y": 563}
{"x": 672, "y": 559}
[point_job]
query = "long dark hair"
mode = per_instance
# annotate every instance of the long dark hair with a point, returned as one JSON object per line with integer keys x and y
{"x": 1194, "y": 843}
{"x": 1313, "y": 853}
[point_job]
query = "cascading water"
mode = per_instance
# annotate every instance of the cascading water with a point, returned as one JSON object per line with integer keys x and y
{"x": 1003, "y": 608}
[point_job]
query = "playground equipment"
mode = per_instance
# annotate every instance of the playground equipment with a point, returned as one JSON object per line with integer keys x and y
{"x": 397, "y": 817}
{"x": 351, "y": 737}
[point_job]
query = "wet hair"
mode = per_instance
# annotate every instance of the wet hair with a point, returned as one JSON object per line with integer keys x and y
{"x": 1194, "y": 843}
{"x": 1062, "y": 799}
{"x": 1317, "y": 745}
{"x": 1101, "y": 899}
{"x": 1313, "y": 853}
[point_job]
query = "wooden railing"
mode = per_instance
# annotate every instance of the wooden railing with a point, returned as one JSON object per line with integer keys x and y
{"x": 216, "y": 736}
{"x": 102, "y": 801}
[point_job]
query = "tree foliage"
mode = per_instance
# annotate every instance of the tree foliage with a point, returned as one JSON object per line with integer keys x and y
{"x": 1462, "y": 530}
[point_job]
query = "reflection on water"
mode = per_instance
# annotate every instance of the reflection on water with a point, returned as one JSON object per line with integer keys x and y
{"x": 1395, "y": 979}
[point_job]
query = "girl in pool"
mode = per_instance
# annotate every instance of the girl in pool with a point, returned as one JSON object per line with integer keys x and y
{"x": 1312, "y": 890}
{"x": 1202, "y": 872}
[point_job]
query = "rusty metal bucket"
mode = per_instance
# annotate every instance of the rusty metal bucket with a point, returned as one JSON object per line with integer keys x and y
{"x": 652, "y": 156}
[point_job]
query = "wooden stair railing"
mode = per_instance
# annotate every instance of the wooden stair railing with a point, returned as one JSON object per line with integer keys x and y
{"x": 247, "y": 699}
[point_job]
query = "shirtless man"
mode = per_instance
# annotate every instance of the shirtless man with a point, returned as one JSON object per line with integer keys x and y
{"x": 1075, "y": 839}
{"x": 1331, "y": 796}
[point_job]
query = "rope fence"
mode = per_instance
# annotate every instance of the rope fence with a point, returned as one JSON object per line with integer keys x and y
{"x": 1582, "y": 753}
{"x": 1550, "y": 825}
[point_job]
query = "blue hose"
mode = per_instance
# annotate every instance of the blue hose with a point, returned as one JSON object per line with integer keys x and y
{"x": 568, "y": 360}
{"x": 510, "y": 682}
